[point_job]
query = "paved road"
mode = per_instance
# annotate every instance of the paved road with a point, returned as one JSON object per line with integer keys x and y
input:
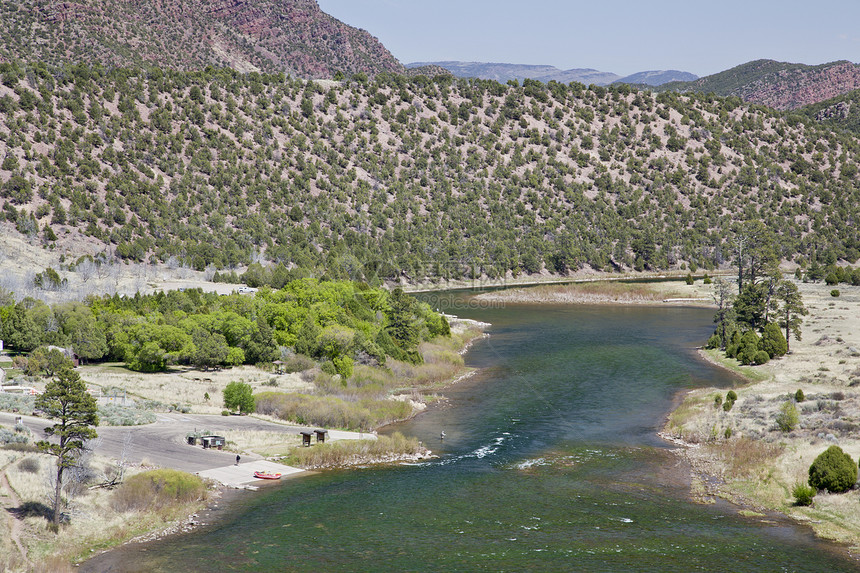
{"x": 163, "y": 443}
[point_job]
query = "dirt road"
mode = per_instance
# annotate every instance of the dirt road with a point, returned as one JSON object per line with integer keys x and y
{"x": 163, "y": 442}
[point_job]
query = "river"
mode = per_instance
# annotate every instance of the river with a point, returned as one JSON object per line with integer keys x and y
{"x": 550, "y": 462}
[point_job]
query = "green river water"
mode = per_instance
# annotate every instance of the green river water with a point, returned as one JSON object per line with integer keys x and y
{"x": 550, "y": 463}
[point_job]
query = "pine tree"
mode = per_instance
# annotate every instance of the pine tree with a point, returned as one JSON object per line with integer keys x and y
{"x": 66, "y": 399}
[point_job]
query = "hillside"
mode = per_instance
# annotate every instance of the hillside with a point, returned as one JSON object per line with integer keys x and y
{"x": 504, "y": 72}
{"x": 290, "y": 36}
{"x": 657, "y": 77}
{"x": 409, "y": 177}
{"x": 779, "y": 85}
{"x": 841, "y": 112}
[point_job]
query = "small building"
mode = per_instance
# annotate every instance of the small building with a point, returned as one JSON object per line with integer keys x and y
{"x": 321, "y": 434}
{"x": 68, "y": 353}
{"x": 306, "y": 438}
{"x": 213, "y": 442}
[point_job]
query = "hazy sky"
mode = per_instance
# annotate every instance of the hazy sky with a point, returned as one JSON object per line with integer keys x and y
{"x": 611, "y": 35}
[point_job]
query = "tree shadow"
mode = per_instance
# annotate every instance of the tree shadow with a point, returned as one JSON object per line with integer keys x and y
{"x": 32, "y": 509}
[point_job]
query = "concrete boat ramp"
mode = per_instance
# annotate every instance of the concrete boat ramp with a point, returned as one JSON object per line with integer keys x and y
{"x": 242, "y": 476}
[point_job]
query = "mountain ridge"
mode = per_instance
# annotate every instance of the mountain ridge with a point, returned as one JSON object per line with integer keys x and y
{"x": 780, "y": 85}
{"x": 289, "y": 36}
{"x": 502, "y": 72}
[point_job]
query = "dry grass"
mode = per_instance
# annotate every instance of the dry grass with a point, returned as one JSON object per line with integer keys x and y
{"x": 385, "y": 449}
{"x": 95, "y": 521}
{"x": 603, "y": 292}
{"x": 267, "y": 444}
{"x": 746, "y": 457}
{"x": 188, "y": 387}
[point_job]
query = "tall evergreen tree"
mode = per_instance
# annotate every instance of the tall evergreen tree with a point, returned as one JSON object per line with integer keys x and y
{"x": 66, "y": 399}
{"x": 791, "y": 310}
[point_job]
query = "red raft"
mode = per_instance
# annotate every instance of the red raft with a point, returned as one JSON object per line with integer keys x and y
{"x": 265, "y": 475}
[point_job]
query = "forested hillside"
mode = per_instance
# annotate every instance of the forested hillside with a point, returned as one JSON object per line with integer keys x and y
{"x": 780, "y": 85}
{"x": 289, "y": 36}
{"x": 408, "y": 177}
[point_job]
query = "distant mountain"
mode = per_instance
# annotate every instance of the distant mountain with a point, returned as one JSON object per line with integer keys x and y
{"x": 291, "y": 36}
{"x": 504, "y": 72}
{"x": 779, "y": 85}
{"x": 658, "y": 77}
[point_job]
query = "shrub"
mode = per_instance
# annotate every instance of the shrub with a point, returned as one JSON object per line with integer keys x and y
{"x": 714, "y": 341}
{"x": 731, "y": 396}
{"x": 156, "y": 489}
{"x": 834, "y": 293}
{"x": 831, "y": 279}
{"x": 773, "y": 341}
{"x": 689, "y": 279}
{"x": 833, "y": 470}
{"x": 114, "y": 415}
{"x": 761, "y": 357}
{"x": 225, "y": 412}
{"x": 297, "y": 363}
{"x": 30, "y": 464}
{"x": 10, "y": 437}
{"x": 345, "y": 452}
{"x": 788, "y": 417}
{"x": 718, "y": 401}
{"x": 803, "y": 494}
{"x": 728, "y": 433}
{"x": 239, "y": 396}
{"x": 727, "y": 405}
{"x": 328, "y": 367}
{"x": 707, "y": 280}
{"x": 798, "y": 396}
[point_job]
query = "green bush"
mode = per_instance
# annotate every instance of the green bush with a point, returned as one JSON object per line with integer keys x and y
{"x": 731, "y": 396}
{"x": 798, "y": 396}
{"x": 239, "y": 396}
{"x": 157, "y": 489}
{"x": 329, "y": 367}
{"x": 728, "y": 433}
{"x": 788, "y": 417}
{"x": 803, "y": 494}
{"x": 834, "y": 293}
{"x": 831, "y": 279}
{"x": 727, "y": 405}
{"x": 833, "y": 470}
{"x": 761, "y": 357}
{"x": 689, "y": 279}
{"x": 714, "y": 341}
{"x": 773, "y": 341}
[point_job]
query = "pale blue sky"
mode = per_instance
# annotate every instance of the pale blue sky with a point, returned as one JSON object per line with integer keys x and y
{"x": 611, "y": 35}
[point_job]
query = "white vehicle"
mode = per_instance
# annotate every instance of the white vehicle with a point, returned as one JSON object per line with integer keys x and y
{"x": 246, "y": 290}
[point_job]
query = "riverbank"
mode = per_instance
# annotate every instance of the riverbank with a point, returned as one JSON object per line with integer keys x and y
{"x": 742, "y": 455}
{"x": 29, "y": 544}
{"x": 607, "y": 291}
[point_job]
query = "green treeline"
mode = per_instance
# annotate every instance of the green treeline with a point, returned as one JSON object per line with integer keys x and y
{"x": 427, "y": 177}
{"x": 340, "y": 322}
